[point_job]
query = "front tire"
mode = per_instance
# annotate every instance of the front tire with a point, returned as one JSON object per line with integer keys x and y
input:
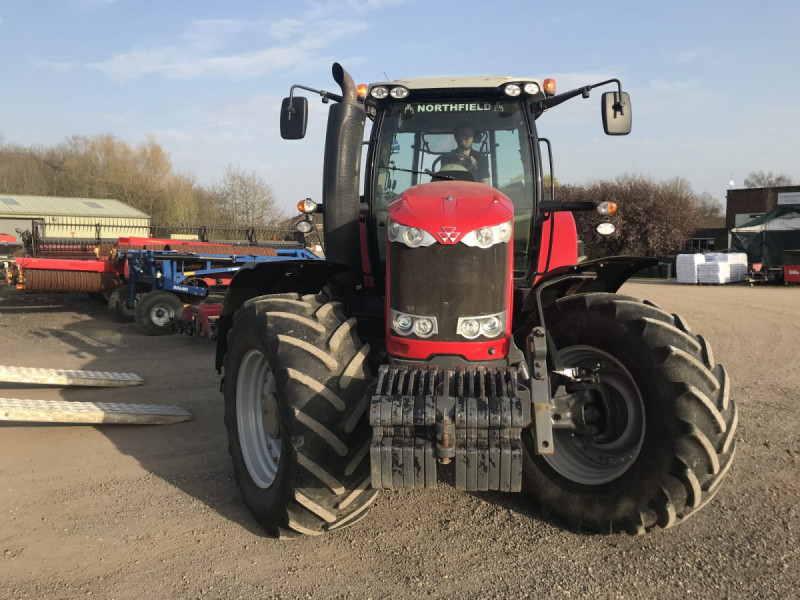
{"x": 673, "y": 440}
{"x": 295, "y": 399}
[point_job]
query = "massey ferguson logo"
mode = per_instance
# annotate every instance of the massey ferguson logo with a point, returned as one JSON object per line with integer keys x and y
{"x": 449, "y": 234}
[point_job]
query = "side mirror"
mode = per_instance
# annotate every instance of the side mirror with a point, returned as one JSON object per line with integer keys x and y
{"x": 616, "y": 108}
{"x": 294, "y": 118}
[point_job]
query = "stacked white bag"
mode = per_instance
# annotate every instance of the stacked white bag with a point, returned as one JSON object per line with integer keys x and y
{"x": 721, "y": 268}
{"x": 686, "y": 267}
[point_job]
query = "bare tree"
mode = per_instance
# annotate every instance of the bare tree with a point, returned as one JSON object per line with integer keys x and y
{"x": 759, "y": 179}
{"x": 245, "y": 200}
{"x": 103, "y": 166}
{"x": 707, "y": 206}
{"x": 654, "y": 218}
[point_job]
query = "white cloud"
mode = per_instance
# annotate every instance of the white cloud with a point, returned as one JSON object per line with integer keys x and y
{"x": 671, "y": 99}
{"x": 284, "y": 29}
{"x": 119, "y": 118}
{"x": 367, "y": 5}
{"x": 195, "y": 57}
{"x": 687, "y": 56}
{"x": 54, "y": 65}
{"x": 89, "y": 4}
{"x": 321, "y": 9}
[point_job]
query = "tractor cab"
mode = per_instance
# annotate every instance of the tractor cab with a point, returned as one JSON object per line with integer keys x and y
{"x": 464, "y": 129}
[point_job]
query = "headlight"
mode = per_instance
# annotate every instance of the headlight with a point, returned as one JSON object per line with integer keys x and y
{"x": 405, "y": 324}
{"x": 379, "y": 92}
{"x": 512, "y": 89}
{"x": 423, "y": 327}
{"x": 605, "y": 228}
{"x": 491, "y": 324}
{"x": 488, "y": 325}
{"x": 489, "y": 236}
{"x": 413, "y": 237}
{"x": 399, "y": 92}
{"x": 484, "y": 236}
{"x": 303, "y": 226}
{"x": 470, "y": 328}
{"x": 531, "y": 88}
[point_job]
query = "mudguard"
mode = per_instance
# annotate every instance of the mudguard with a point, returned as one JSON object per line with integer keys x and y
{"x": 601, "y": 275}
{"x": 274, "y": 277}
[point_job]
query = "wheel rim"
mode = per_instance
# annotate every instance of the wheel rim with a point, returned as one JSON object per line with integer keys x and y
{"x": 257, "y": 419}
{"x": 583, "y": 459}
{"x": 161, "y": 315}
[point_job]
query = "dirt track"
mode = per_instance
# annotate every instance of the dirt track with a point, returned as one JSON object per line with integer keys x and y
{"x": 153, "y": 512}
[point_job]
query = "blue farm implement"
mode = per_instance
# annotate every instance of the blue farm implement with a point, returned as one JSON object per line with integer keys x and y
{"x": 162, "y": 282}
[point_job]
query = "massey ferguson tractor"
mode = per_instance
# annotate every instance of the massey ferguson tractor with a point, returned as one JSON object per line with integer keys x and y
{"x": 451, "y": 333}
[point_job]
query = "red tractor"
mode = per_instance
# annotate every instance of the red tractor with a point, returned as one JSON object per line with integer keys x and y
{"x": 452, "y": 331}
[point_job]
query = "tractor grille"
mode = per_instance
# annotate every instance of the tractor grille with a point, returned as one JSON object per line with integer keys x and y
{"x": 448, "y": 282}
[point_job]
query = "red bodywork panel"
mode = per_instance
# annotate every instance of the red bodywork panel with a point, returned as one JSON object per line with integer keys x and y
{"x": 565, "y": 243}
{"x": 197, "y": 319}
{"x": 447, "y": 210}
{"x": 458, "y": 205}
{"x": 140, "y": 241}
{"x": 59, "y": 264}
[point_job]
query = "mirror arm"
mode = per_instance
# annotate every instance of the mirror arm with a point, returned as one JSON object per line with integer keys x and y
{"x": 568, "y": 206}
{"x": 326, "y": 97}
{"x": 583, "y": 91}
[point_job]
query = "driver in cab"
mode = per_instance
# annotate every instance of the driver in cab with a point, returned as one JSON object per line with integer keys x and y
{"x": 464, "y": 155}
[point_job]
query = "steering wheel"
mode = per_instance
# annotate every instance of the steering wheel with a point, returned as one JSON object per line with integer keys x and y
{"x": 454, "y": 158}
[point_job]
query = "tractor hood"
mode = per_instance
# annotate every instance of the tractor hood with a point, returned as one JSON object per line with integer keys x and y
{"x": 449, "y": 209}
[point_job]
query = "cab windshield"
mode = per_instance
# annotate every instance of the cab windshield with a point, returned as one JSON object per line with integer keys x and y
{"x": 485, "y": 141}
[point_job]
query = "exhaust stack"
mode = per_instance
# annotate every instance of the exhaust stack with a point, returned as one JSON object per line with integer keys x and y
{"x": 341, "y": 174}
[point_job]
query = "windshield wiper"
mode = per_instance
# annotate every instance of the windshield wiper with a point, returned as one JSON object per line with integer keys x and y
{"x": 415, "y": 172}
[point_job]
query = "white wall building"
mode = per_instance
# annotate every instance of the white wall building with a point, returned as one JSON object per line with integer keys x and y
{"x": 72, "y": 218}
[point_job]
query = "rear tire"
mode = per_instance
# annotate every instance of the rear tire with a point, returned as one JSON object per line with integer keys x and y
{"x": 156, "y": 311}
{"x": 118, "y": 304}
{"x": 295, "y": 402}
{"x": 666, "y": 384}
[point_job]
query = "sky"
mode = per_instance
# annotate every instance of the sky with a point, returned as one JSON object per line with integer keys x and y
{"x": 714, "y": 85}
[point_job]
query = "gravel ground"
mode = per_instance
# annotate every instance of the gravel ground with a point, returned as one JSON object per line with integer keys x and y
{"x": 153, "y": 512}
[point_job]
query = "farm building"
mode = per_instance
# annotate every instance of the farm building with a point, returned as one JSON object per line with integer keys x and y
{"x": 71, "y": 218}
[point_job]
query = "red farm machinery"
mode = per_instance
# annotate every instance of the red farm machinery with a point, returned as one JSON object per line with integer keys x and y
{"x": 155, "y": 282}
{"x": 450, "y": 330}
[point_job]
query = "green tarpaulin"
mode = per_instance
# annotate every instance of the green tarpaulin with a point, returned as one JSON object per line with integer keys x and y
{"x": 766, "y": 237}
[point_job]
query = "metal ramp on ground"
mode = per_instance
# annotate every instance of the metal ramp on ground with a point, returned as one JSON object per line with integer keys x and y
{"x": 91, "y": 413}
{"x": 31, "y": 375}
{"x": 94, "y": 413}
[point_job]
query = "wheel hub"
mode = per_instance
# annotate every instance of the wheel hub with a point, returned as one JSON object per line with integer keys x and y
{"x": 618, "y": 412}
{"x": 160, "y": 315}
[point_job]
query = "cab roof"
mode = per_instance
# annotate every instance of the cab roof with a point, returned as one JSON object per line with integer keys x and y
{"x": 437, "y": 83}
